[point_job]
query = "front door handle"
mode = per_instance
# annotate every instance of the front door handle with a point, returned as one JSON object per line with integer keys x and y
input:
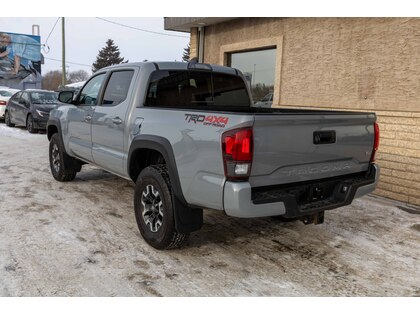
{"x": 117, "y": 121}
{"x": 88, "y": 118}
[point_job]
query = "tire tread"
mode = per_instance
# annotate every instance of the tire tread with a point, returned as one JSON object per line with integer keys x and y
{"x": 68, "y": 171}
{"x": 173, "y": 239}
{"x": 8, "y": 122}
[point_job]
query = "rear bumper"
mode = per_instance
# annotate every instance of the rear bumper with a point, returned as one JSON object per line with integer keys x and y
{"x": 366, "y": 189}
{"x": 238, "y": 203}
{"x": 240, "y": 200}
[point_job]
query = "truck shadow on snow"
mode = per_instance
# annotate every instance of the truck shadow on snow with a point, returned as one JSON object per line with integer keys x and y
{"x": 218, "y": 228}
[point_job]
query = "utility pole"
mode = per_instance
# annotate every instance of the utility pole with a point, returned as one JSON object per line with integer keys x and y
{"x": 63, "y": 52}
{"x": 253, "y": 76}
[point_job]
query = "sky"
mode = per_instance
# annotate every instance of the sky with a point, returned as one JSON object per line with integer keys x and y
{"x": 86, "y": 36}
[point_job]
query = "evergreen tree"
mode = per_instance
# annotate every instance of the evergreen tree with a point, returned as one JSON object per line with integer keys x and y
{"x": 109, "y": 55}
{"x": 186, "y": 54}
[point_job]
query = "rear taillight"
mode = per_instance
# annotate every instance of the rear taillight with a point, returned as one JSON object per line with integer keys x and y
{"x": 4, "y": 103}
{"x": 375, "y": 142}
{"x": 237, "y": 148}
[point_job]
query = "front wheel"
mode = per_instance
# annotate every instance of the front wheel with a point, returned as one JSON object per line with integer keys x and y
{"x": 62, "y": 165}
{"x": 154, "y": 209}
{"x": 30, "y": 125}
{"x": 7, "y": 119}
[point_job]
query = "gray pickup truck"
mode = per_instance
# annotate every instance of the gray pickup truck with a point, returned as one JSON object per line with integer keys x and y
{"x": 188, "y": 135}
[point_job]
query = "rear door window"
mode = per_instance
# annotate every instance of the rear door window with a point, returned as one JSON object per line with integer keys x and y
{"x": 16, "y": 97}
{"x": 117, "y": 88}
{"x": 25, "y": 97}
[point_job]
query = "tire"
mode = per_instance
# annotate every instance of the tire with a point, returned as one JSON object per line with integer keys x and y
{"x": 154, "y": 209}
{"x": 30, "y": 124}
{"x": 63, "y": 167}
{"x": 7, "y": 120}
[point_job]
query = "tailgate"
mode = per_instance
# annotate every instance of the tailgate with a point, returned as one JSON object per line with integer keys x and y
{"x": 292, "y": 148}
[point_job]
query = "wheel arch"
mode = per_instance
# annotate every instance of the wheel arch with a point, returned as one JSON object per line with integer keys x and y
{"x": 6, "y": 110}
{"x": 187, "y": 217}
{"x": 27, "y": 117}
{"x": 160, "y": 145}
{"x": 53, "y": 126}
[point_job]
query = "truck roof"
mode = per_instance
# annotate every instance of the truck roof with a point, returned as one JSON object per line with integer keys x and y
{"x": 177, "y": 65}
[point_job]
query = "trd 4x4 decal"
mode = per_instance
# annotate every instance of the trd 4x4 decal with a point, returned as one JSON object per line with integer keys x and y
{"x": 207, "y": 120}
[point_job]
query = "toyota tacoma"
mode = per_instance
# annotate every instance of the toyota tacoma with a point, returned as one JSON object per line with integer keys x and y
{"x": 190, "y": 138}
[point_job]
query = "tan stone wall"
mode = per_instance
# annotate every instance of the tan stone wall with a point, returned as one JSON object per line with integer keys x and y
{"x": 194, "y": 43}
{"x": 347, "y": 63}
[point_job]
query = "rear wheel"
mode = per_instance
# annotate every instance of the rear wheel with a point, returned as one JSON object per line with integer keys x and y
{"x": 7, "y": 119}
{"x": 63, "y": 167}
{"x": 30, "y": 124}
{"x": 154, "y": 209}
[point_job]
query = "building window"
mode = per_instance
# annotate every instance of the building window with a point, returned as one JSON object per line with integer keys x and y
{"x": 258, "y": 67}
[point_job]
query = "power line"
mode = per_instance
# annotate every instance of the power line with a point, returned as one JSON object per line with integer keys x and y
{"x": 48, "y": 37}
{"x": 140, "y": 29}
{"x": 70, "y": 62}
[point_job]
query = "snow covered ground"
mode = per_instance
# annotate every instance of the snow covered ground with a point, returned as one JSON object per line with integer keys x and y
{"x": 18, "y": 132}
{"x": 81, "y": 239}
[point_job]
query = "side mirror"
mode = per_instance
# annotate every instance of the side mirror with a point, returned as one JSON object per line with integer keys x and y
{"x": 66, "y": 96}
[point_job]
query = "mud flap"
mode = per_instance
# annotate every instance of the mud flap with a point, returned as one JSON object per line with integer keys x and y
{"x": 187, "y": 219}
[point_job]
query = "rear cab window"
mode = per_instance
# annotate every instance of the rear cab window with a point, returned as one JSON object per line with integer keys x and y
{"x": 192, "y": 89}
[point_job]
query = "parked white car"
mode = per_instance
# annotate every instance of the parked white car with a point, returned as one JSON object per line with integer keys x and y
{"x": 5, "y": 94}
{"x": 266, "y": 101}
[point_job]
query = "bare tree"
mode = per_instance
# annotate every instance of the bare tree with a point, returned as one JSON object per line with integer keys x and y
{"x": 51, "y": 80}
{"x": 77, "y": 76}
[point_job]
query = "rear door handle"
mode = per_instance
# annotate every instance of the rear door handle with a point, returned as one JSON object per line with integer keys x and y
{"x": 88, "y": 118}
{"x": 117, "y": 121}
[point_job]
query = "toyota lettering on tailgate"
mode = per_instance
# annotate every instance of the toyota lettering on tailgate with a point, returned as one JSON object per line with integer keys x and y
{"x": 207, "y": 120}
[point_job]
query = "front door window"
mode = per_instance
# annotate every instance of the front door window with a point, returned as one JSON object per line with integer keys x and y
{"x": 90, "y": 93}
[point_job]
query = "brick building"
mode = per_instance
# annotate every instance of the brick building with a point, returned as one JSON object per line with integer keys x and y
{"x": 370, "y": 64}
